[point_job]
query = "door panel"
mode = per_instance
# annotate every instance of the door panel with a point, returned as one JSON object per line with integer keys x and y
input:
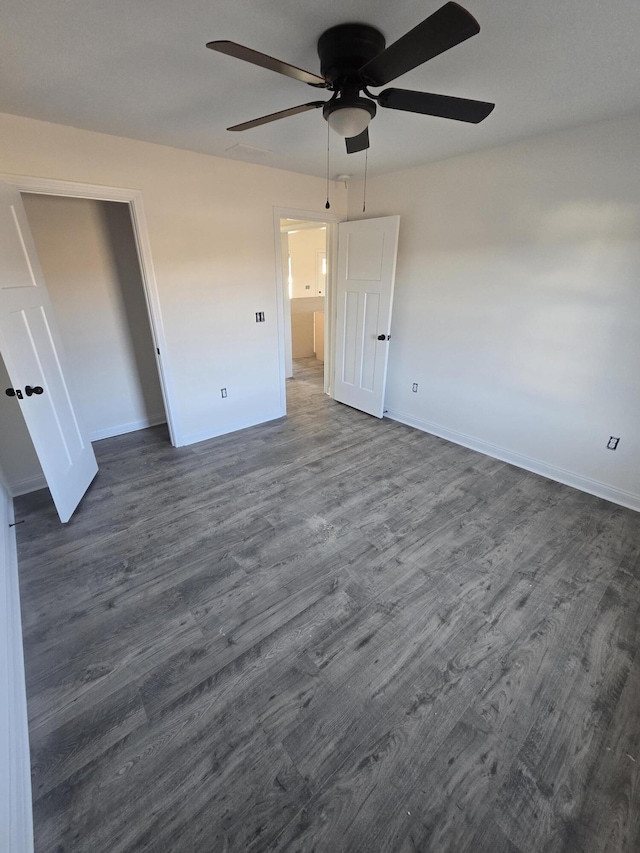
{"x": 32, "y": 351}
{"x": 367, "y": 251}
{"x": 370, "y": 344}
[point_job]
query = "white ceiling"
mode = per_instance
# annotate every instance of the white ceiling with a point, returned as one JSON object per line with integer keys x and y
{"x": 141, "y": 70}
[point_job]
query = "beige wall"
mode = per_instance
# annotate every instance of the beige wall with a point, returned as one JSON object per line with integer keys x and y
{"x": 302, "y": 325}
{"x": 88, "y": 255}
{"x": 303, "y": 248}
{"x": 212, "y": 240}
{"x": 517, "y": 302}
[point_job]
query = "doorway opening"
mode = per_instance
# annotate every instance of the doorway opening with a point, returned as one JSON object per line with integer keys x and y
{"x": 305, "y": 275}
{"x": 321, "y": 275}
{"x": 89, "y": 253}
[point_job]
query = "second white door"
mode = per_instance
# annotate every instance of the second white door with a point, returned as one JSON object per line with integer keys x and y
{"x": 367, "y": 252}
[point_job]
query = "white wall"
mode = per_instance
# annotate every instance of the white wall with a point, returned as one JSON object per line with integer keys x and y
{"x": 88, "y": 256}
{"x": 16, "y": 833}
{"x": 517, "y": 303}
{"x": 211, "y": 232}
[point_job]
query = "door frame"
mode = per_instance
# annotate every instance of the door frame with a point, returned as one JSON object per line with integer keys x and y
{"x": 331, "y": 221}
{"x": 133, "y": 198}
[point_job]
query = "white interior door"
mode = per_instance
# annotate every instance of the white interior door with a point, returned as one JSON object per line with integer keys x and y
{"x": 32, "y": 352}
{"x": 367, "y": 251}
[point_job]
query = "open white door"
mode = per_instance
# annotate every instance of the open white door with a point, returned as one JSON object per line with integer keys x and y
{"x": 367, "y": 251}
{"x": 30, "y": 346}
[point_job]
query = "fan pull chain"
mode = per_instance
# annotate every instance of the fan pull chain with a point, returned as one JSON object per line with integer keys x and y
{"x": 364, "y": 194}
{"x": 327, "y": 205}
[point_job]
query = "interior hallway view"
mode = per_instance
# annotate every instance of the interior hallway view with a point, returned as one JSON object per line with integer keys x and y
{"x": 330, "y": 633}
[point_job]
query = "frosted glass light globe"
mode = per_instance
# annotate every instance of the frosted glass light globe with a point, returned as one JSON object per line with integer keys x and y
{"x": 349, "y": 121}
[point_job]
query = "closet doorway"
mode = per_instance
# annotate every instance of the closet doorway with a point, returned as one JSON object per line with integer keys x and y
{"x": 93, "y": 264}
{"x": 88, "y": 254}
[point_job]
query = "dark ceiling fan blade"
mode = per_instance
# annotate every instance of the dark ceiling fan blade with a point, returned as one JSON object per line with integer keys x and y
{"x": 446, "y": 28}
{"x": 292, "y": 111}
{"x": 264, "y": 61}
{"x": 445, "y": 106}
{"x": 358, "y": 143}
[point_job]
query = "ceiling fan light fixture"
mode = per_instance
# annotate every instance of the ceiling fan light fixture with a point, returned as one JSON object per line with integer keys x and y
{"x": 349, "y": 121}
{"x": 354, "y": 57}
{"x": 349, "y": 118}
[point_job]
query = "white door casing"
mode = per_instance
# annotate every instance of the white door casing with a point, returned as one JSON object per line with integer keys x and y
{"x": 33, "y": 354}
{"x": 284, "y": 259}
{"x": 367, "y": 252}
{"x": 321, "y": 272}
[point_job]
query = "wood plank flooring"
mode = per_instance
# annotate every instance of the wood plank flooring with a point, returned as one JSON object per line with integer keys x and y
{"x": 330, "y": 634}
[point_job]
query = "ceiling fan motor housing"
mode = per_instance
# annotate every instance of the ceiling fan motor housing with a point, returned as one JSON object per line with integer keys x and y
{"x": 344, "y": 49}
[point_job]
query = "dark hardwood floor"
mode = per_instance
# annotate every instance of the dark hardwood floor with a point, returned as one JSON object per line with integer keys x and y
{"x": 330, "y": 634}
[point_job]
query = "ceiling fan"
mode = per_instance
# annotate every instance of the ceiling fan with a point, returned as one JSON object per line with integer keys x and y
{"x": 354, "y": 57}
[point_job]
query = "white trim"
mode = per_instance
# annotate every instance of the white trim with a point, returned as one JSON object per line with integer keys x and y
{"x": 72, "y": 189}
{"x": 331, "y": 221}
{"x": 205, "y": 435}
{"x": 286, "y": 296}
{"x": 560, "y": 475}
{"x": 121, "y": 429}
{"x": 16, "y": 818}
{"x": 33, "y": 484}
{"x": 28, "y": 485}
{"x": 330, "y": 304}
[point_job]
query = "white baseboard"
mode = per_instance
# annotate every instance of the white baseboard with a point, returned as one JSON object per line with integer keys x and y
{"x": 30, "y": 484}
{"x": 205, "y": 435}
{"x": 120, "y": 429}
{"x": 16, "y": 818}
{"x": 568, "y": 478}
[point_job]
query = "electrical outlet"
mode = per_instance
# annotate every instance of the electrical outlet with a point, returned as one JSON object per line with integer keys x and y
{"x": 414, "y": 388}
{"x": 612, "y": 444}
{"x": 259, "y": 316}
{"x": 223, "y": 392}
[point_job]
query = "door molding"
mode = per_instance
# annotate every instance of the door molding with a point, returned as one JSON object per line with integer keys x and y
{"x": 331, "y": 221}
{"x": 16, "y": 819}
{"x": 73, "y": 189}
